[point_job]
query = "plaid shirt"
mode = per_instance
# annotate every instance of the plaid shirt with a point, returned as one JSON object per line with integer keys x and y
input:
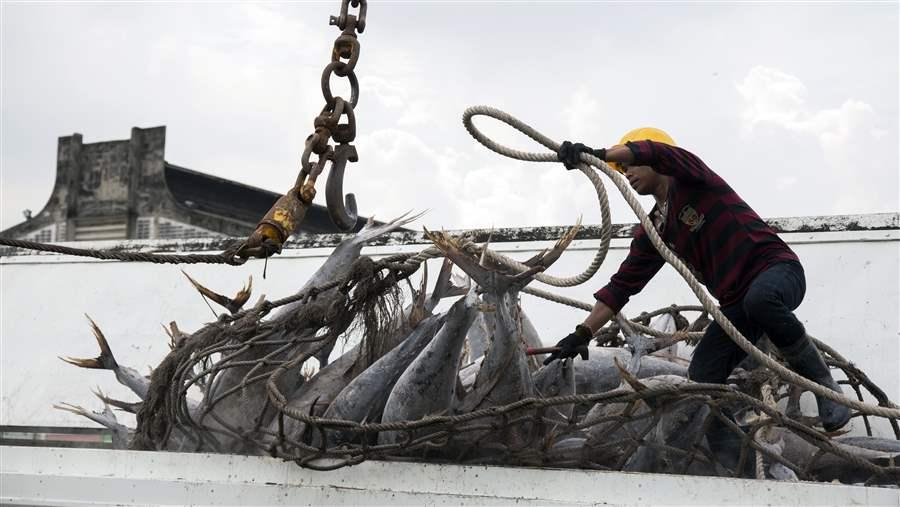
{"x": 724, "y": 242}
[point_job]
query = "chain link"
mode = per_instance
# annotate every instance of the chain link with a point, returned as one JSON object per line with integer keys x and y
{"x": 289, "y": 211}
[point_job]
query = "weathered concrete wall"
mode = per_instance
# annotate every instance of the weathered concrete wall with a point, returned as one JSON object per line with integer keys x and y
{"x": 104, "y": 188}
{"x": 851, "y": 303}
{"x": 100, "y": 183}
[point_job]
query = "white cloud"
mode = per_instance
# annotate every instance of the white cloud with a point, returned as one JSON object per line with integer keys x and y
{"x": 785, "y": 182}
{"x": 848, "y": 135}
{"x": 582, "y": 114}
{"x": 400, "y": 171}
{"x": 774, "y": 97}
{"x": 419, "y": 112}
{"x": 395, "y": 170}
{"x": 388, "y": 94}
{"x": 266, "y": 25}
{"x": 237, "y": 84}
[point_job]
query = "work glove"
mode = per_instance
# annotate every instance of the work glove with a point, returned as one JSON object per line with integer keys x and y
{"x": 569, "y": 153}
{"x": 573, "y": 345}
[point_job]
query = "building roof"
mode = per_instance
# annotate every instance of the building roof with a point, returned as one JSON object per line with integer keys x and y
{"x": 112, "y": 188}
{"x": 219, "y": 196}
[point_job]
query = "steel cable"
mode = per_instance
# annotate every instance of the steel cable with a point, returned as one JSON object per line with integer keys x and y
{"x": 222, "y": 258}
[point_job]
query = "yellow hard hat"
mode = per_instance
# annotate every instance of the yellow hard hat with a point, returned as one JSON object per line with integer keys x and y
{"x": 643, "y": 134}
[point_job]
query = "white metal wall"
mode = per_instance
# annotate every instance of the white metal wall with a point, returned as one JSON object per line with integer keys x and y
{"x": 851, "y": 303}
{"x": 47, "y": 476}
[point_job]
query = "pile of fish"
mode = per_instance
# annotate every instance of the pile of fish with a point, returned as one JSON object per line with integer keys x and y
{"x": 457, "y": 385}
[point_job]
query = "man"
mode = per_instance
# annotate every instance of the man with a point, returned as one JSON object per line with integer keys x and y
{"x": 756, "y": 277}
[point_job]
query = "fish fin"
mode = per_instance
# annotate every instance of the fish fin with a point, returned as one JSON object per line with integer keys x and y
{"x": 68, "y": 407}
{"x": 635, "y": 384}
{"x": 423, "y": 287}
{"x": 454, "y": 249}
{"x": 105, "y": 361}
{"x": 524, "y": 278}
{"x": 549, "y": 257}
{"x": 170, "y": 335}
{"x": 176, "y": 336}
{"x": 242, "y": 296}
{"x": 232, "y": 305}
{"x": 484, "y": 248}
{"x": 418, "y": 310}
{"x": 443, "y": 285}
{"x": 460, "y": 285}
{"x": 100, "y": 419}
{"x": 107, "y": 412}
{"x": 307, "y": 434}
{"x": 371, "y": 231}
{"x": 121, "y": 405}
{"x": 535, "y": 259}
{"x": 459, "y": 392}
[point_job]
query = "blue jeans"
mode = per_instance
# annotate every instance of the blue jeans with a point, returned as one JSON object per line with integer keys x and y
{"x": 767, "y": 307}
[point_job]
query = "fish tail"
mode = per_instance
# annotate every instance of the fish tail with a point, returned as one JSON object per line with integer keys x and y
{"x": 105, "y": 361}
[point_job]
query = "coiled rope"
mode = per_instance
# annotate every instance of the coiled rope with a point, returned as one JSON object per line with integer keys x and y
{"x": 889, "y": 411}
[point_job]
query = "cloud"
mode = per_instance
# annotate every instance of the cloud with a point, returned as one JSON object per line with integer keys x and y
{"x": 786, "y": 182}
{"x": 581, "y": 111}
{"x": 387, "y": 93}
{"x": 582, "y": 114}
{"x": 398, "y": 171}
{"x": 266, "y": 25}
{"x": 780, "y": 99}
{"x": 848, "y": 135}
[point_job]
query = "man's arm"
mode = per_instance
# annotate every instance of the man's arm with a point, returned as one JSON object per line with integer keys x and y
{"x": 599, "y": 316}
{"x": 665, "y": 159}
{"x": 639, "y": 267}
{"x": 620, "y": 154}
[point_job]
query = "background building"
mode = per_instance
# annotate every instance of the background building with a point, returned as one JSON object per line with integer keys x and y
{"x": 126, "y": 190}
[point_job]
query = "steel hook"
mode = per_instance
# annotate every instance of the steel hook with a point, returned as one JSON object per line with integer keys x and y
{"x": 341, "y": 209}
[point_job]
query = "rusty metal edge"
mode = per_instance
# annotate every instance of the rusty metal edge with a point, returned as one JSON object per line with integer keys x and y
{"x": 782, "y": 225}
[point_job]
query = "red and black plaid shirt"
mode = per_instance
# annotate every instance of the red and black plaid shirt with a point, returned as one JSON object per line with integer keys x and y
{"x": 724, "y": 242}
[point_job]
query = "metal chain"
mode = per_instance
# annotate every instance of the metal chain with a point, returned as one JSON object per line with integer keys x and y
{"x": 288, "y": 212}
{"x": 328, "y": 126}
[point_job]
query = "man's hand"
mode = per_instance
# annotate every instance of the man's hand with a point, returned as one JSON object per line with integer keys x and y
{"x": 570, "y": 153}
{"x": 573, "y": 345}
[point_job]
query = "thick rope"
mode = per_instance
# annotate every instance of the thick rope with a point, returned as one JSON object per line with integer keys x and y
{"x": 763, "y": 434}
{"x": 708, "y": 303}
{"x": 599, "y": 257}
{"x": 222, "y": 258}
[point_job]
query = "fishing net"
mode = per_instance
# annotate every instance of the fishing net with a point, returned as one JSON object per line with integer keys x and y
{"x": 660, "y": 424}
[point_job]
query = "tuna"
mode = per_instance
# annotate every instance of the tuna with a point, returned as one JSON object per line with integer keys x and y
{"x": 611, "y": 439}
{"x": 128, "y": 377}
{"x": 557, "y": 379}
{"x": 364, "y": 398}
{"x": 238, "y": 407}
{"x": 504, "y": 375}
{"x": 121, "y": 434}
{"x": 428, "y": 386}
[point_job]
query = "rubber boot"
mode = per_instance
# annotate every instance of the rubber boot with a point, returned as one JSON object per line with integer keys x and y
{"x": 805, "y": 359}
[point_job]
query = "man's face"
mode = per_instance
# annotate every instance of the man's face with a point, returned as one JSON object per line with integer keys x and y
{"x": 643, "y": 178}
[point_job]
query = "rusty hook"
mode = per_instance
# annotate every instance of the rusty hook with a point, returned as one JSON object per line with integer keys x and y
{"x": 341, "y": 209}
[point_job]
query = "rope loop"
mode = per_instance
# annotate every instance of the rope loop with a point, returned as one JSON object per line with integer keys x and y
{"x": 706, "y": 300}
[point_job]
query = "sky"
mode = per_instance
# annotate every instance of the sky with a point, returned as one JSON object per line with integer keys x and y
{"x": 794, "y": 104}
